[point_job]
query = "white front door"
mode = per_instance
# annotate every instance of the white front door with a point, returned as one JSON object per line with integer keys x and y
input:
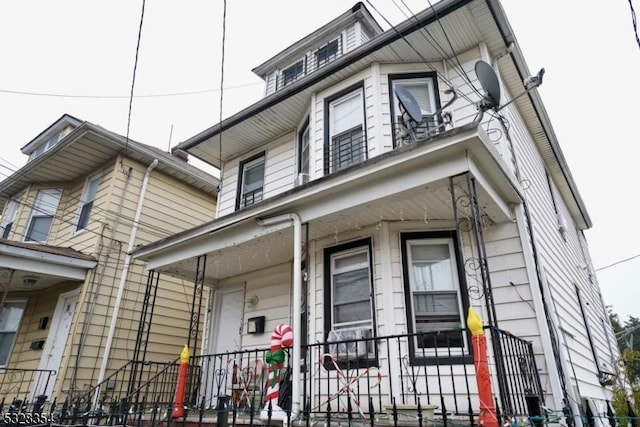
{"x": 55, "y": 343}
{"x": 225, "y": 333}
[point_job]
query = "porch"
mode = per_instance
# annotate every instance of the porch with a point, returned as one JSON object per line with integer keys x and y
{"x": 374, "y": 381}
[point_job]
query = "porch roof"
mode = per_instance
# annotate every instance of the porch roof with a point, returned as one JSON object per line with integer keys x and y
{"x": 36, "y": 266}
{"x": 394, "y": 186}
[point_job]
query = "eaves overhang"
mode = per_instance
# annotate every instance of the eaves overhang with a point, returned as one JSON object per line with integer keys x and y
{"x": 460, "y": 150}
{"x": 545, "y": 136}
{"x": 88, "y": 147}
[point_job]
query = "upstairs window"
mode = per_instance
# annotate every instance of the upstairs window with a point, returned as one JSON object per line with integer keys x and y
{"x": 44, "y": 209}
{"x": 10, "y": 316}
{"x": 327, "y": 53}
{"x": 9, "y": 217}
{"x": 86, "y": 202}
{"x": 251, "y": 181}
{"x": 424, "y": 90}
{"x": 435, "y": 300}
{"x": 346, "y": 142}
{"x": 293, "y": 73}
{"x": 45, "y": 146}
{"x": 303, "y": 153}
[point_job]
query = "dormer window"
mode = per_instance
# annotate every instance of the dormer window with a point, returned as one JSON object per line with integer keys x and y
{"x": 293, "y": 73}
{"x": 328, "y": 53}
{"x": 251, "y": 182}
{"x": 45, "y": 146}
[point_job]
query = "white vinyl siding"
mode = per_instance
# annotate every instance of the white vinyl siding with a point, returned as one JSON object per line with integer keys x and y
{"x": 45, "y": 206}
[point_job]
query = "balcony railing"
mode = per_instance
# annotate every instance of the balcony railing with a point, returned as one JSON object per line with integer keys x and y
{"x": 392, "y": 380}
{"x": 309, "y": 63}
{"x": 22, "y": 389}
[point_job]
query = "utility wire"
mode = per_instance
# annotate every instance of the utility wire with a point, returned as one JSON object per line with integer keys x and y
{"x": 133, "y": 80}
{"x": 634, "y": 22}
{"x": 618, "y": 262}
{"x": 224, "y": 37}
{"x": 153, "y": 95}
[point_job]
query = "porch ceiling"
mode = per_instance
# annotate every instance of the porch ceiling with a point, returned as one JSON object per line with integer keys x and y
{"x": 409, "y": 185}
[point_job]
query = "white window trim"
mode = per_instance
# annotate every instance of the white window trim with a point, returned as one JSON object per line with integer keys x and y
{"x": 298, "y": 76}
{"x": 302, "y": 159}
{"x": 34, "y": 213}
{"x": 13, "y": 344}
{"x": 84, "y": 200}
{"x": 10, "y": 215}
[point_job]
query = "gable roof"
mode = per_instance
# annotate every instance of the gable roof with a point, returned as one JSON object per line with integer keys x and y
{"x": 86, "y": 147}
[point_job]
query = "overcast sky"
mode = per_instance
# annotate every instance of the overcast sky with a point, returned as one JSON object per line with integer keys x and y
{"x": 83, "y": 53}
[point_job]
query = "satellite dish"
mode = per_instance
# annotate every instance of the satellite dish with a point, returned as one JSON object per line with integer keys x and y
{"x": 408, "y": 103}
{"x": 489, "y": 82}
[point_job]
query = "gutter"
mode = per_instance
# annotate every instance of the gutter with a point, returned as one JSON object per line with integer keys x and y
{"x": 123, "y": 279}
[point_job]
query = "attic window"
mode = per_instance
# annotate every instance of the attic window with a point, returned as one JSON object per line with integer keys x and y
{"x": 45, "y": 146}
{"x": 328, "y": 53}
{"x": 291, "y": 74}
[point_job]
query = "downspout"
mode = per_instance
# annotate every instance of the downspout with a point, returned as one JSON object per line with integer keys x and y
{"x": 123, "y": 276}
{"x": 297, "y": 297}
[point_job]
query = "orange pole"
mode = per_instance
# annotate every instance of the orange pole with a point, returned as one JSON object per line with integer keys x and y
{"x": 487, "y": 417}
{"x": 178, "y": 401}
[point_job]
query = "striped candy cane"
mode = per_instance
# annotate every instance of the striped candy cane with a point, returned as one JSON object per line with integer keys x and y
{"x": 282, "y": 337}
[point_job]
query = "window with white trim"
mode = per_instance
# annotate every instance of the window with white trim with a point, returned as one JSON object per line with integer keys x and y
{"x": 346, "y": 142}
{"x": 9, "y": 218}
{"x": 44, "y": 208}
{"x": 10, "y": 317}
{"x": 424, "y": 90}
{"x": 251, "y": 181}
{"x": 435, "y": 295}
{"x": 86, "y": 201}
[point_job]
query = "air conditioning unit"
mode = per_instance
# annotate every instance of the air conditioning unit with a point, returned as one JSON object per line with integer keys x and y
{"x": 355, "y": 349}
{"x": 302, "y": 179}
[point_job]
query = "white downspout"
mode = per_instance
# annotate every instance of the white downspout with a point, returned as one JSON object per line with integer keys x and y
{"x": 297, "y": 298}
{"x": 123, "y": 278}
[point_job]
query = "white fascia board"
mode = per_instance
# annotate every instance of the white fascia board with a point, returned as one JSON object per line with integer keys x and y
{"x": 47, "y": 265}
{"x": 225, "y": 238}
{"x": 483, "y": 182}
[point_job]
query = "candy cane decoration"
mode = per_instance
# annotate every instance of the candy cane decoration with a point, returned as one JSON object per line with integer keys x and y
{"x": 282, "y": 337}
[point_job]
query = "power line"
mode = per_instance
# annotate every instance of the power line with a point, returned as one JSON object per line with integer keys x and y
{"x": 618, "y": 262}
{"x": 634, "y": 22}
{"x": 153, "y": 95}
{"x": 133, "y": 79}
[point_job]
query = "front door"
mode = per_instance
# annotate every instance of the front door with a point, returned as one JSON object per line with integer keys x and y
{"x": 225, "y": 333}
{"x": 55, "y": 344}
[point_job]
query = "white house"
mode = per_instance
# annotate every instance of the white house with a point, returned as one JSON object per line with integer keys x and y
{"x": 340, "y": 216}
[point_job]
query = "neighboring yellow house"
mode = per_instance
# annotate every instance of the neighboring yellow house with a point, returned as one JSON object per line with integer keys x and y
{"x": 72, "y": 299}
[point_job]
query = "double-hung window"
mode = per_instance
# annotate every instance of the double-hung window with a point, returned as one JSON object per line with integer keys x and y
{"x": 424, "y": 89}
{"x": 346, "y": 141}
{"x": 86, "y": 202}
{"x": 251, "y": 181}
{"x": 9, "y": 217}
{"x": 10, "y": 316}
{"x": 44, "y": 209}
{"x": 434, "y": 297}
{"x": 349, "y": 298}
{"x": 293, "y": 73}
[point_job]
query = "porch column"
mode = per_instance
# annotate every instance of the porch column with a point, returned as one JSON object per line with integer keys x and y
{"x": 387, "y": 295}
{"x": 196, "y": 311}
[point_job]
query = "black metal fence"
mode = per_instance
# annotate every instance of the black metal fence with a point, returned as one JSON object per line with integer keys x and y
{"x": 396, "y": 380}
